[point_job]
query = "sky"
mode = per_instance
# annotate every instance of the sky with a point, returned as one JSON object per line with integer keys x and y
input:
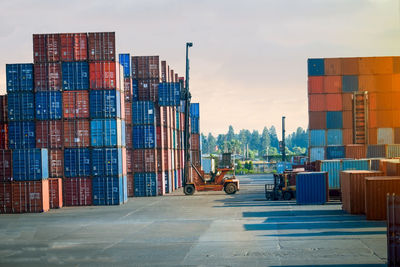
{"x": 248, "y": 63}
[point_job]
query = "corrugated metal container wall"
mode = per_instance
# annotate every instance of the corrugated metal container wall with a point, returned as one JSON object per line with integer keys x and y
{"x": 53, "y": 47}
{"x": 316, "y": 66}
{"x": 21, "y": 134}
{"x": 4, "y": 136}
{"x": 335, "y": 152}
{"x": 347, "y": 120}
{"x": 77, "y": 162}
{"x": 143, "y": 112}
{"x": 393, "y": 151}
{"x": 349, "y": 83}
{"x": 30, "y": 164}
{"x": 334, "y": 137}
{"x": 376, "y": 151}
{"x": 332, "y": 84}
{"x": 350, "y": 66}
{"x": 333, "y": 66}
{"x": 145, "y": 184}
{"x": 317, "y": 120}
{"x": 19, "y": 77}
{"x": 317, "y": 153}
{"x": 48, "y": 105}
{"x": 107, "y": 132}
{"x": 195, "y": 125}
{"x": 21, "y": 106}
{"x": 385, "y": 136}
{"x": 362, "y": 164}
{"x": 195, "y": 110}
{"x": 107, "y": 162}
{"x": 55, "y": 193}
{"x": 347, "y": 102}
{"x": 352, "y": 184}
{"x": 355, "y": 151}
{"x": 80, "y": 47}
{"x": 334, "y": 120}
{"x": 317, "y": 102}
{"x": 67, "y": 47}
{"x": 3, "y": 109}
{"x": 144, "y": 160}
{"x": 315, "y": 84}
{"x": 393, "y": 169}
{"x": 147, "y": 90}
{"x": 104, "y": 75}
{"x": 169, "y": 94}
{"x": 129, "y": 182}
{"x": 317, "y": 138}
{"x": 146, "y": 67}
{"x": 125, "y": 61}
{"x": 39, "y": 48}
{"x": 144, "y": 136}
{"x": 109, "y": 190}
{"x": 101, "y": 46}
{"x": 47, "y": 77}
{"x": 56, "y": 162}
{"x": 347, "y": 136}
{"x": 77, "y": 191}
{"x": 333, "y": 102}
{"x": 5, "y": 197}
{"x": 49, "y": 134}
{"x": 75, "y": 76}
{"x": 105, "y": 104}
{"x": 76, "y": 133}
{"x": 333, "y": 168}
{"x": 311, "y": 188}
{"x": 376, "y": 189}
{"x": 30, "y": 196}
{"x": 75, "y": 104}
{"x": 5, "y": 165}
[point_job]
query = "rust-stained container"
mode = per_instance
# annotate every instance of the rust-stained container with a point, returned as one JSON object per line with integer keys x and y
{"x": 372, "y": 136}
{"x": 146, "y": 67}
{"x": 55, "y": 193}
{"x": 39, "y": 48}
{"x": 101, "y": 46}
{"x": 129, "y": 137}
{"x": 350, "y": 66}
{"x": 77, "y": 133}
{"x": 129, "y": 181}
{"x": 129, "y": 160}
{"x": 347, "y": 102}
{"x": 332, "y": 84}
{"x": 355, "y": 151}
{"x": 103, "y": 75}
{"x": 56, "y": 163}
{"x": 80, "y": 47}
{"x": 128, "y": 113}
{"x": 347, "y": 135}
{"x": 4, "y": 136}
{"x": 5, "y": 165}
{"x": 163, "y": 71}
{"x": 366, "y": 65}
{"x": 160, "y": 160}
{"x": 393, "y": 230}
{"x": 73, "y": 46}
{"x": 53, "y": 47}
{"x": 383, "y": 165}
{"x": 47, "y": 77}
{"x": 333, "y": 66}
{"x": 316, "y": 102}
{"x": 352, "y": 185}
{"x": 315, "y": 84}
{"x": 30, "y": 196}
{"x": 347, "y": 119}
{"x": 376, "y": 189}
{"x": 75, "y": 104}
{"x": 144, "y": 160}
{"x": 77, "y": 191}
{"x": 366, "y": 83}
{"x": 3, "y": 109}
{"x": 5, "y": 197}
{"x": 148, "y": 90}
{"x": 195, "y": 141}
{"x": 49, "y": 134}
{"x": 333, "y": 102}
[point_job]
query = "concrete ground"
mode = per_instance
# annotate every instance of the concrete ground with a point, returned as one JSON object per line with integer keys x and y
{"x": 204, "y": 229}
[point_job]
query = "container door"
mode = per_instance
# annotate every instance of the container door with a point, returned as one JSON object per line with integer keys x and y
{"x": 360, "y": 117}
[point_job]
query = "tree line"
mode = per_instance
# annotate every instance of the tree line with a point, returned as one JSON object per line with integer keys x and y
{"x": 255, "y": 144}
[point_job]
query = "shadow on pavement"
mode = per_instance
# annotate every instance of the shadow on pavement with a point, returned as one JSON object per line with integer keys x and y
{"x": 333, "y": 265}
{"x": 331, "y": 233}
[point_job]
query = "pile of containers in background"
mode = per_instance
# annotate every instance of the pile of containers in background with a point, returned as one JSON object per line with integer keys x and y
{"x": 195, "y": 138}
{"x": 352, "y": 101}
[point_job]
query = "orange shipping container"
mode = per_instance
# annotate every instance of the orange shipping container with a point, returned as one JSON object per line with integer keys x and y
{"x": 347, "y": 136}
{"x": 55, "y": 193}
{"x": 380, "y": 101}
{"x": 372, "y": 136}
{"x": 333, "y": 102}
{"x": 383, "y": 83}
{"x": 332, "y": 84}
{"x": 350, "y": 66}
{"x": 317, "y": 120}
{"x": 333, "y": 66}
{"x": 396, "y": 133}
{"x": 396, "y": 82}
{"x": 347, "y": 102}
{"x": 30, "y": 196}
{"x": 383, "y": 164}
{"x": 376, "y": 189}
{"x": 384, "y": 65}
{"x": 366, "y": 83}
{"x": 352, "y": 185}
{"x": 384, "y": 119}
{"x": 372, "y": 119}
{"x": 356, "y": 151}
{"x": 396, "y": 118}
{"x": 316, "y": 102}
{"x": 347, "y": 119}
{"x": 395, "y": 98}
{"x": 392, "y": 168}
{"x": 366, "y": 65}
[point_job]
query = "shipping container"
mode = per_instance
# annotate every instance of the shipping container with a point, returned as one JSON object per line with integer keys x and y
{"x": 77, "y": 191}
{"x": 107, "y": 132}
{"x": 80, "y": 47}
{"x": 129, "y": 160}
{"x": 67, "y": 46}
{"x": 161, "y": 183}
{"x": 48, "y": 105}
{"x": 30, "y": 196}
{"x": 317, "y": 153}
{"x": 21, "y": 106}
{"x": 335, "y": 152}
{"x": 75, "y": 104}
{"x": 355, "y": 151}
{"x": 129, "y": 182}
{"x": 101, "y": 46}
{"x": 125, "y": 61}
{"x": 393, "y": 168}
{"x": 195, "y": 141}
{"x": 383, "y": 165}
{"x": 376, "y": 189}
{"x": 332, "y": 84}
{"x": 383, "y": 151}
{"x": 169, "y": 94}
{"x": 19, "y": 77}
{"x": 4, "y": 144}
{"x": 39, "y": 48}
{"x": 56, "y": 163}
{"x": 143, "y": 112}
{"x": 317, "y": 138}
{"x": 317, "y": 102}
{"x": 129, "y": 137}
{"x": 195, "y": 125}
{"x": 347, "y": 136}
{"x": 47, "y": 77}
{"x": 75, "y": 76}
{"x": 107, "y": 162}
{"x": 53, "y": 47}
{"x": 333, "y": 66}
{"x": 333, "y": 102}
{"x": 352, "y": 184}
{"x": 49, "y": 134}
{"x": 317, "y": 120}
{"x": 350, "y": 66}
{"x": 146, "y": 67}
{"x": 347, "y": 102}
{"x": 5, "y": 165}
{"x": 21, "y": 134}
{"x": 3, "y": 109}
{"x": 77, "y": 162}
{"x": 360, "y": 164}
{"x": 105, "y": 104}
{"x": 110, "y": 190}
{"x": 334, "y": 120}
{"x": 76, "y": 133}
{"x": 5, "y": 197}
{"x": 334, "y": 137}
{"x": 347, "y": 119}
{"x": 128, "y": 89}
{"x": 316, "y": 66}
{"x": 333, "y": 168}
{"x": 195, "y": 110}
{"x": 385, "y": 136}
{"x": 135, "y": 90}
{"x": 55, "y": 193}
{"x": 312, "y": 188}
{"x": 30, "y": 164}
{"x": 147, "y": 90}
{"x": 144, "y": 160}
{"x": 144, "y": 136}
{"x": 145, "y": 184}
{"x": 349, "y": 83}
{"x": 104, "y": 75}
{"x": 315, "y": 84}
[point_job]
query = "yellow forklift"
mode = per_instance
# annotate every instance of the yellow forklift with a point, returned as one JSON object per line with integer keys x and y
{"x": 282, "y": 188}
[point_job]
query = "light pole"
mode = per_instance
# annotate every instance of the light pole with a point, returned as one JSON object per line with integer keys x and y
{"x": 187, "y": 98}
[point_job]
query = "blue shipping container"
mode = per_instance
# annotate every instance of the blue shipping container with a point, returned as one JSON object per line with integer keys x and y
{"x": 30, "y": 164}
{"x": 317, "y": 153}
{"x": 283, "y": 166}
{"x": 21, "y": 134}
{"x": 77, "y": 162}
{"x": 334, "y": 120}
{"x": 21, "y": 106}
{"x": 316, "y": 66}
{"x": 144, "y": 136}
{"x": 195, "y": 125}
{"x": 311, "y": 188}
{"x": 134, "y": 90}
{"x": 145, "y": 184}
{"x": 350, "y": 83}
{"x": 333, "y": 168}
{"x": 363, "y": 164}
{"x": 19, "y": 77}
{"x": 195, "y": 110}
{"x": 109, "y": 190}
{"x": 335, "y": 152}
{"x": 125, "y": 61}
{"x": 48, "y": 105}
{"x": 105, "y": 104}
{"x": 75, "y": 75}
{"x": 143, "y": 112}
{"x": 107, "y": 132}
{"x": 107, "y": 162}
{"x": 317, "y": 138}
{"x": 334, "y": 137}
{"x": 169, "y": 94}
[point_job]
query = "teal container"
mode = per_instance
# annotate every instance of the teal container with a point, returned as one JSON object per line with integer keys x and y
{"x": 333, "y": 168}
{"x": 363, "y": 164}
{"x": 334, "y": 137}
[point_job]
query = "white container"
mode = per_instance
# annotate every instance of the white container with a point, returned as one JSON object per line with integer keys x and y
{"x": 385, "y": 136}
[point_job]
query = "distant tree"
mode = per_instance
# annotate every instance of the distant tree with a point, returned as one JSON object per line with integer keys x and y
{"x": 211, "y": 142}
{"x": 254, "y": 140}
{"x": 273, "y": 137}
{"x": 265, "y": 141}
{"x": 204, "y": 145}
{"x": 231, "y": 134}
{"x": 239, "y": 165}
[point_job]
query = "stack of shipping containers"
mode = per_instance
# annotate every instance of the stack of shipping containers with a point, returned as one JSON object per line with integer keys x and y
{"x": 195, "y": 138}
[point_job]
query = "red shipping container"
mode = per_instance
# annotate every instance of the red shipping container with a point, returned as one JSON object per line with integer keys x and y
{"x": 101, "y": 46}
{"x": 47, "y": 77}
{"x": 128, "y": 88}
{"x": 3, "y": 109}
{"x": 30, "y": 196}
{"x": 77, "y": 133}
{"x": 146, "y": 67}
{"x": 166, "y": 139}
{"x": 161, "y": 184}
{"x": 167, "y": 159}
{"x": 5, "y": 165}
{"x": 144, "y": 160}
{"x": 172, "y": 76}
{"x": 53, "y": 47}
{"x": 347, "y": 102}
{"x": 316, "y": 102}
{"x": 80, "y": 47}
{"x": 332, "y": 84}
{"x": 160, "y": 163}
{"x": 75, "y": 104}
{"x": 195, "y": 141}
{"x": 129, "y": 168}
{"x": 128, "y": 136}
{"x": 49, "y": 134}
{"x": 55, "y": 193}
{"x": 333, "y": 102}
{"x": 67, "y": 46}
{"x": 148, "y": 90}
{"x": 77, "y": 191}
{"x": 56, "y": 163}
{"x": 168, "y": 74}
{"x": 103, "y": 75}
{"x": 3, "y": 136}
{"x": 5, "y": 197}
{"x": 39, "y": 48}
{"x": 316, "y": 120}
{"x": 129, "y": 180}
{"x": 128, "y": 113}
{"x": 163, "y": 71}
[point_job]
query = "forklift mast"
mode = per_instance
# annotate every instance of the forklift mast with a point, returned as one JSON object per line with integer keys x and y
{"x": 186, "y": 96}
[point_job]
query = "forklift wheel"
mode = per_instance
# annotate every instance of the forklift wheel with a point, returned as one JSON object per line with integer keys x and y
{"x": 230, "y": 188}
{"x": 188, "y": 189}
{"x": 287, "y": 195}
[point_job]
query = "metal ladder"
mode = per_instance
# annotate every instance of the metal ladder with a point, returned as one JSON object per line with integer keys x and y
{"x": 360, "y": 118}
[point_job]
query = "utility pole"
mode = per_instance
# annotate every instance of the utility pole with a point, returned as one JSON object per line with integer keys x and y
{"x": 283, "y": 140}
{"x": 187, "y": 98}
